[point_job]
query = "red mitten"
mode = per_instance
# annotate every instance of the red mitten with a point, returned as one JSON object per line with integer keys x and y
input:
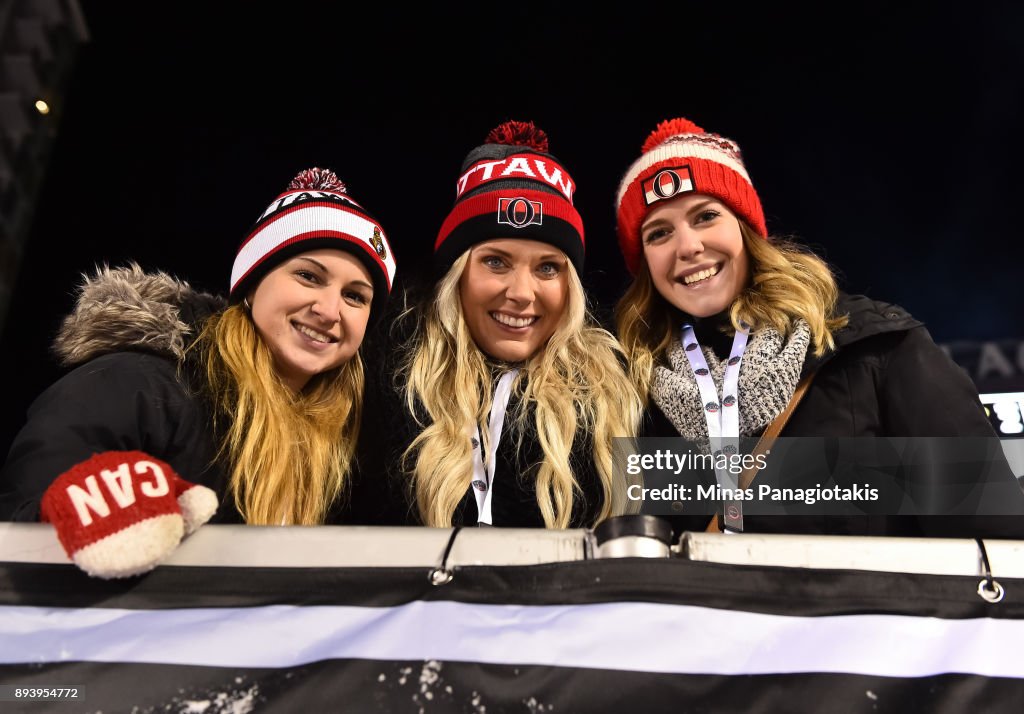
{"x": 121, "y": 513}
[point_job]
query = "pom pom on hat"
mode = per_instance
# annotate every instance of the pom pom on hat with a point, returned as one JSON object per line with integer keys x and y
{"x": 317, "y": 179}
{"x": 519, "y": 133}
{"x": 667, "y": 129}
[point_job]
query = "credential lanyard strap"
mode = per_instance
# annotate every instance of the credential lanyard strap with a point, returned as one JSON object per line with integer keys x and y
{"x": 483, "y": 464}
{"x": 722, "y": 413}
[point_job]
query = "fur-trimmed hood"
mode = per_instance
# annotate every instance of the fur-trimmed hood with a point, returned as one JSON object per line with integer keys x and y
{"x": 128, "y": 308}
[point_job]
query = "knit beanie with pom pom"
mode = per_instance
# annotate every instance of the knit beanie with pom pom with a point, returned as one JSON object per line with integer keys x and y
{"x": 679, "y": 157}
{"x": 511, "y": 187}
{"x": 315, "y": 211}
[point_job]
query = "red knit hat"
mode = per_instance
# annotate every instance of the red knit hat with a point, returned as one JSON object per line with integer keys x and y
{"x": 511, "y": 187}
{"x": 679, "y": 157}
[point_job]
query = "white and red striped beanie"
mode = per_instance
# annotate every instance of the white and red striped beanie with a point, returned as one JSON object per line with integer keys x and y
{"x": 679, "y": 157}
{"x": 314, "y": 212}
{"x": 511, "y": 187}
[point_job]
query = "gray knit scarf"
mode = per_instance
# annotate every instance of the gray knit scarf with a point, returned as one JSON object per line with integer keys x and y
{"x": 768, "y": 376}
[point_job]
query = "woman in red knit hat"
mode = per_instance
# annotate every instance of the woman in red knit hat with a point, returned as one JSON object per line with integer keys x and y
{"x": 728, "y": 329}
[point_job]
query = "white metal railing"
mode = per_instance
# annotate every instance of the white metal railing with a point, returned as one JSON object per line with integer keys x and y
{"x": 378, "y": 546}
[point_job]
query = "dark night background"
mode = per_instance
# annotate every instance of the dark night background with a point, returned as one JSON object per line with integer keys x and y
{"x": 887, "y": 139}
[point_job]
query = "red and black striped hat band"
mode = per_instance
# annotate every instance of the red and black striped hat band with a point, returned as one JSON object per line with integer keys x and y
{"x": 512, "y": 212}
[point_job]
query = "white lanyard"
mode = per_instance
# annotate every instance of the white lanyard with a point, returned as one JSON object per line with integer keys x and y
{"x": 722, "y": 412}
{"x": 483, "y": 475}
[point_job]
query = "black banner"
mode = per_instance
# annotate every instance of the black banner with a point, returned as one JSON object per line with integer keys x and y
{"x": 636, "y": 635}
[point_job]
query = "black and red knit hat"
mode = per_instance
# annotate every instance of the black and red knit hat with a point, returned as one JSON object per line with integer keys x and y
{"x": 315, "y": 211}
{"x": 511, "y": 187}
{"x": 679, "y": 157}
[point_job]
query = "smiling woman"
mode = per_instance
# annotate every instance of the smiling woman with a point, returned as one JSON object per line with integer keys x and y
{"x": 256, "y": 401}
{"x": 311, "y": 312}
{"x": 726, "y": 326}
{"x": 693, "y": 247}
{"x": 511, "y": 393}
{"x": 513, "y": 294}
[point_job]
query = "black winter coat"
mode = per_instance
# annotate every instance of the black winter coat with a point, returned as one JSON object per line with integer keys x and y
{"x": 384, "y": 495}
{"x": 886, "y": 378}
{"x": 130, "y": 387}
{"x": 122, "y": 401}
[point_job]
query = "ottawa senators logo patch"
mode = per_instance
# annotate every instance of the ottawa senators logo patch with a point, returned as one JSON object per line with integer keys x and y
{"x": 667, "y": 183}
{"x": 520, "y": 212}
{"x": 378, "y": 244}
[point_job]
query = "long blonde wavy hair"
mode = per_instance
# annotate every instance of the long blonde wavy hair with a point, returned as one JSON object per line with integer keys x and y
{"x": 288, "y": 454}
{"x": 786, "y": 282}
{"x": 575, "y": 382}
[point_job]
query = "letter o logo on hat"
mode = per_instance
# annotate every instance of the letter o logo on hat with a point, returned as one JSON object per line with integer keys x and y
{"x": 519, "y": 212}
{"x": 666, "y": 183}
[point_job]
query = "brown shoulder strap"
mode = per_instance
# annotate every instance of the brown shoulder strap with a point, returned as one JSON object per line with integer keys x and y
{"x": 767, "y": 439}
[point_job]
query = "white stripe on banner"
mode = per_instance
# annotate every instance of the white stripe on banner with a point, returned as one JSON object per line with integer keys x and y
{"x": 642, "y": 637}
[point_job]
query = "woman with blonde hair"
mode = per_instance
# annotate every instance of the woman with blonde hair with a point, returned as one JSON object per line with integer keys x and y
{"x": 511, "y": 393}
{"x": 733, "y": 333}
{"x": 180, "y": 405}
